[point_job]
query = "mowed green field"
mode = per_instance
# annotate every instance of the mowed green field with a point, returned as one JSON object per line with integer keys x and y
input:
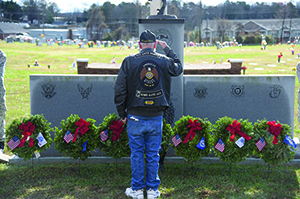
{"x": 60, "y": 59}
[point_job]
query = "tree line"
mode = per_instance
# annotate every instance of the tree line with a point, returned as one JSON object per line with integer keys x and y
{"x": 114, "y": 22}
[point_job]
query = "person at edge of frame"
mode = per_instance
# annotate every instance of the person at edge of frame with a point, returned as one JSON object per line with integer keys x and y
{"x": 2, "y": 100}
{"x": 142, "y": 93}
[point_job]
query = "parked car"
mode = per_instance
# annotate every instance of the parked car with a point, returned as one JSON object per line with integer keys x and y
{"x": 19, "y": 35}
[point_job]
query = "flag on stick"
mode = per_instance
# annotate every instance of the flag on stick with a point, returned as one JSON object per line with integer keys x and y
{"x": 288, "y": 140}
{"x": 68, "y": 137}
{"x": 176, "y": 140}
{"x": 104, "y": 135}
{"x": 84, "y": 146}
{"x": 240, "y": 142}
{"x": 201, "y": 144}
{"x": 220, "y": 145}
{"x": 13, "y": 143}
{"x": 261, "y": 143}
{"x": 41, "y": 140}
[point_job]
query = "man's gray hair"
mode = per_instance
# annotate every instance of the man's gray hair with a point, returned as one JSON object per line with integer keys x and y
{"x": 147, "y": 45}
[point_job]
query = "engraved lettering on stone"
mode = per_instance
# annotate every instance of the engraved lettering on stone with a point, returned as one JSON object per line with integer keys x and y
{"x": 48, "y": 90}
{"x": 275, "y": 92}
{"x": 85, "y": 92}
{"x": 237, "y": 90}
{"x": 200, "y": 92}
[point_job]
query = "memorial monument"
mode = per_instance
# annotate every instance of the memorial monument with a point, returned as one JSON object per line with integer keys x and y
{"x": 170, "y": 29}
{"x": 205, "y": 96}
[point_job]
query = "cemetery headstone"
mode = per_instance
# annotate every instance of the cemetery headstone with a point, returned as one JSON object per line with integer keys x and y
{"x": 50, "y": 43}
{"x": 98, "y": 44}
{"x": 38, "y": 42}
{"x": 9, "y": 40}
{"x": 85, "y": 41}
{"x": 77, "y": 41}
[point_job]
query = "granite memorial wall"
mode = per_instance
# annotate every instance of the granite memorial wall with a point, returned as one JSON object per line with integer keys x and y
{"x": 211, "y": 96}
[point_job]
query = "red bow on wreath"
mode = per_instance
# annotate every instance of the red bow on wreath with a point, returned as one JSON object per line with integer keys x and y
{"x": 27, "y": 131}
{"x": 236, "y": 128}
{"x": 82, "y": 129}
{"x": 275, "y": 129}
{"x": 195, "y": 126}
{"x": 117, "y": 127}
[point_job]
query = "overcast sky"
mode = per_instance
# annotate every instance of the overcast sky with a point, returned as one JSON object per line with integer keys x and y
{"x": 80, "y": 5}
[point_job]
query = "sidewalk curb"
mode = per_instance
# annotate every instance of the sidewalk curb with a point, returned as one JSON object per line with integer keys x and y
{"x": 104, "y": 160}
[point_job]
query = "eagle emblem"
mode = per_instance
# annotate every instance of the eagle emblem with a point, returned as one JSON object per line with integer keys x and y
{"x": 85, "y": 92}
{"x": 149, "y": 75}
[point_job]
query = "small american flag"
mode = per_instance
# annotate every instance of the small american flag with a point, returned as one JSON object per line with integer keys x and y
{"x": 261, "y": 144}
{"x": 13, "y": 143}
{"x": 176, "y": 140}
{"x": 220, "y": 145}
{"x": 68, "y": 137}
{"x": 104, "y": 135}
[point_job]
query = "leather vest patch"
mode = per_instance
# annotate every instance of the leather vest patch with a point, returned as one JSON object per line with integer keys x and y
{"x": 149, "y": 74}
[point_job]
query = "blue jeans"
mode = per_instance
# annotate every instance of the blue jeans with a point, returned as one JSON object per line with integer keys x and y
{"x": 144, "y": 136}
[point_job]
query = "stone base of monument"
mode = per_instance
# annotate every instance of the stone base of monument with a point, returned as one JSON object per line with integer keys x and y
{"x": 105, "y": 160}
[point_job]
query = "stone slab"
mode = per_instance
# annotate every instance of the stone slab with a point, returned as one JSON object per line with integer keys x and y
{"x": 4, "y": 158}
{"x": 247, "y": 97}
{"x": 59, "y": 96}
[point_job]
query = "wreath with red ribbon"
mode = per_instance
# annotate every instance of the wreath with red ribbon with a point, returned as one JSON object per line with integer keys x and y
{"x": 275, "y": 151}
{"x": 117, "y": 143}
{"x": 229, "y": 131}
{"x": 191, "y": 130}
{"x": 84, "y": 139}
{"x": 27, "y": 131}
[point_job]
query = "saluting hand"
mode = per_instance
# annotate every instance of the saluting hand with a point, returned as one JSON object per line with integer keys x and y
{"x": 162, "y": 43}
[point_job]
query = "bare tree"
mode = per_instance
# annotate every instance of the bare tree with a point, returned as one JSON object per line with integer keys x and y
{"x": 223, "y": 25}
{"x": 96, "y": 26}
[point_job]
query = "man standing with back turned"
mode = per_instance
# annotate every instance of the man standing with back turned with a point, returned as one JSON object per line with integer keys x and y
{"x": 142, "y": 93}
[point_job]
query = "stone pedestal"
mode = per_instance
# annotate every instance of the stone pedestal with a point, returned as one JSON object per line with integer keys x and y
{"x": 172, "y": 32}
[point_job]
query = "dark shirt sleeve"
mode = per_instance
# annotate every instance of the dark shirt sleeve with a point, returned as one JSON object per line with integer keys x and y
{"x": 175, "y": 67}
{"x": 121, "y": 89}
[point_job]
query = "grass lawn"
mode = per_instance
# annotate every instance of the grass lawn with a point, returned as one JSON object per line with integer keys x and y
{"x": 109, "y": 181}
{"x": 60, "y": 59}
{"x": 177, "y": 181}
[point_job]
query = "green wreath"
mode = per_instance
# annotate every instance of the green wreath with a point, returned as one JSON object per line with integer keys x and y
{"x": 166, "y": 135}
{"x": 27, "y": 130}
{"x": 117, "y": 143}
{"x": 79, "y": 146}
{"x": 271, "y": 153}
{"x": 121, "y": 148}
{"x": 188, "y": 150}
{"x": 232, "y": 152}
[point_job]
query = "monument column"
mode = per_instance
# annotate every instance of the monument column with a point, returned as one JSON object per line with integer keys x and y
{"x": 171, "y": 30}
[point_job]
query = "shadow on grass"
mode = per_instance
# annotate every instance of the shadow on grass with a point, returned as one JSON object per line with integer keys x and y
{"x": 177, "y": 181}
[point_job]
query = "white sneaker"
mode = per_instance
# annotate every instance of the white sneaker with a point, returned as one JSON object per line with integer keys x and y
{"x": 151, "y": 194}
{"x": 138, "y": 194}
